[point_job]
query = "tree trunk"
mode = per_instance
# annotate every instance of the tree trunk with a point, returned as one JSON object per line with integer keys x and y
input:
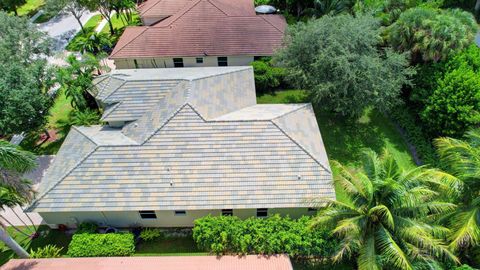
{"x": 5, "y": 238}
{"x": 79, "y": 22}
{"x": 15, "y": 11}
{"x": 112, "y": 31}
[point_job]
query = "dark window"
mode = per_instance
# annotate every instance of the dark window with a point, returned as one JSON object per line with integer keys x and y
{"x": 178, "y": 62}
{"x": 181, "y": 213}
{"x": 222, "y": 61}
{"x": 227, "y": 212}
{"x": 312, "y": 209}
{"x": 135, "y": 62}
{"x": 257, "y": 58}
{"x": 262, "y": 212}
{"x": 199, "y": 60}
{"x": 147, "y": 214}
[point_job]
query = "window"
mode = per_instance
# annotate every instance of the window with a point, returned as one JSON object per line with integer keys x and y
{"x": 312, "y": 209}
{"x": 135, "y": 62}
{"x": 257, "y": 58}
{"x": 199, "y": 60}
{"x": 147, "y": 214}
{"x": 181, "y": 213}
{"x": 262, "y": 212}
{"x": 178, "y": 62}
{"x": 227, "y": 212}
{"x": 222, "y": 61}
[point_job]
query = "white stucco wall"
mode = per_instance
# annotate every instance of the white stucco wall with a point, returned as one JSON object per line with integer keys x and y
{"x": 208, "y": 61}
{"x": 164, "y": 218}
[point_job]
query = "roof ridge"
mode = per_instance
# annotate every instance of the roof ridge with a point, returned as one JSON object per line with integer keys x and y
{"x": 302, "y": 106}
{"x": 179, "y": 14}
{"x": 218, "y": 8}
{"x": 68, "y": 172}
{"x": 120, "y": 86}
{"x": 144, "y": 28}
{"x": 110, "y": 111}
{"x": 145, "y": 11}
{"x": 263, "y": 17}
{"x": 301, "y": 147}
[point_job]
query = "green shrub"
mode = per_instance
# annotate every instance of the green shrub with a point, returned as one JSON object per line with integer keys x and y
{"x": 150, "y": 234}
{"x": 231, "y": 235}
{"x": 48, "y": 251}
{"x": 265, "y": 79}
{"x": 464, "y": 267}
{"x": 101, "y": 245}
{"x": 87, "y": 227}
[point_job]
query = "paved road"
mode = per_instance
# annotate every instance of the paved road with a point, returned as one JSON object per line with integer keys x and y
{"x": 62, "y": 28}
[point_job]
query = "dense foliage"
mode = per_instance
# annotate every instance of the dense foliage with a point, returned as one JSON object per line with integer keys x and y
{"x": 389, "y": 213}
{"x": 343, "y": 69}
{"x": 26, "y": 77}
{"x": 11, "y": 5}
{"x": 431, "y": 34}
{"x": 101, "y": 245}
{"x": 87, "y": 227}
{"x": 48, "y": 251}
{"x": 273, "y": 235}
{"x": 151, "y": 234}
{"x": 267, "y": 77}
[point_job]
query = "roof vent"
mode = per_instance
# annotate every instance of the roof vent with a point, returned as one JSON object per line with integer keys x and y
{"x": 265, "y": 9}
{"x": 299, "y": 177}
{"x": 171, "y": 182}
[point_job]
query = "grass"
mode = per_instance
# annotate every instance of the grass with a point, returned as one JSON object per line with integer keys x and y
{"x": 89, "y": 27}
{"x": 47, "y": 236}
{"x": 344, "y": 139}
{"x": 119, "y": 22}
{"x": 60, "y": 111}
{"x": 30, "y": 7}
{"x": 177, "y": 246}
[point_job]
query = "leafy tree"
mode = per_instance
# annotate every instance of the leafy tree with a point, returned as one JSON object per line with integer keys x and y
{"x": 26, "y": 76}
{"x": 265, "y": 79}
{"x": 76, "y": 80}
{"x": 93, "y": 43}
{"x": 338, "y": 60}
{"x": 454, "y": 106}
{"x": 431, "y": 34}
{"x": 11, "y": 5}
{"x": 387, "y": 220}
{"x": 106, "y": 8}
{"x": 75, "y": 7}
{"x": 462, "y": 158}
{"x": 14, "y": 190}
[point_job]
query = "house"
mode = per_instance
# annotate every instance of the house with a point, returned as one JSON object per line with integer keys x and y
{"x": 249, "y": 262}
{"x": 198, "y": 33}
{"x": 182, "y": 145}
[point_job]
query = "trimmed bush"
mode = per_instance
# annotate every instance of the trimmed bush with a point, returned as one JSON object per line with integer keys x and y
{"x": 265, "y": 79}
{"x": 48, "y": 251}
{"x": 87, "y": 227}
{"x": 101, "y": 245}
{"x": 273, "y": 235}
{"x": 150, "y": 234}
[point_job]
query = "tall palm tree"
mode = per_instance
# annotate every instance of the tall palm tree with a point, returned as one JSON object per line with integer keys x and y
{"x": 462, "y": 158}
{"x": 386, "y": 220}
{"x": 14, "y": 162}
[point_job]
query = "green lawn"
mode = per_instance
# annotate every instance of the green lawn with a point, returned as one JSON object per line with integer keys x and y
{"x": 59, "y": 112}
{"x": 119, "y": 22}
{"x": 46, "y": 237}
{"x": 345, "y": 139}
{"x": 30, "y": 8}
{"x": 176, "y": 246}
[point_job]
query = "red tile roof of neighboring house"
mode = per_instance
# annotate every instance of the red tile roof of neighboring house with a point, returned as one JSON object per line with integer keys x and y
{"x": 205, "y": 27}
{"x": 161, "y": 7}
{"x": 251, "y": 262}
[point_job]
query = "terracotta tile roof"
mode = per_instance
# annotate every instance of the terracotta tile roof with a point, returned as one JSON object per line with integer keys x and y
{"x": 161, "y": 7}
{"x": 205, "y": 27}
{"x": 250, "y": 262}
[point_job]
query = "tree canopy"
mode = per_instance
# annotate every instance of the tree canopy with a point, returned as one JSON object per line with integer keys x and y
{"x": 336, "y": 57}
{"x": 432, "y": 34}
{"x": 26, "y": 76}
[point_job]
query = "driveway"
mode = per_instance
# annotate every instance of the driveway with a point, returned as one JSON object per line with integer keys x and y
{"x": 62, "y": 28}
{"x": 15, "y": 216}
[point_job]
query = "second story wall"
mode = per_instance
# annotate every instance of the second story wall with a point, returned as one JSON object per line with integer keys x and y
{"x": 171, "y": 62}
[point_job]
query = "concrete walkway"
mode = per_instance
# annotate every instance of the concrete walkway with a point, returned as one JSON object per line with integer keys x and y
{"x": 16, "y": 216}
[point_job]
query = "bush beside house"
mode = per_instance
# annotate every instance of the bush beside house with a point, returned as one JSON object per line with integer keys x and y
{"x": 98, "y": 245}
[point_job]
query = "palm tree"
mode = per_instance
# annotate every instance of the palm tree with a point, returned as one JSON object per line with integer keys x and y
{"x": 387, "y": 218}
{"x": 462, "y": 158}
{"x": 14, "y": 162}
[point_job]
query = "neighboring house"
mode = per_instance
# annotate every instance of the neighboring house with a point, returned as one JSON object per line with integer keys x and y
{"x": 248, "y": 262}
{"x": 198, "y": 33}
{"x": 182, "y": 145}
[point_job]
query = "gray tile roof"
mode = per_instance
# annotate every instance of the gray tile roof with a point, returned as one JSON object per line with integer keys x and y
{"x": 187, "y": 152}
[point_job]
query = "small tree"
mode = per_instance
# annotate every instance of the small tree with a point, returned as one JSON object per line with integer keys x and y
{"x": 337, "y": 59}
{"x": 454, "y": 106}
{"x": 431, "y": 34}
{"x": 105, "y": 7}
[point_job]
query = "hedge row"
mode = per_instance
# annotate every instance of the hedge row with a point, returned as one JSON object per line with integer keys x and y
{"x": 273, "y": 235}
{"x": 101, "y": 245}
